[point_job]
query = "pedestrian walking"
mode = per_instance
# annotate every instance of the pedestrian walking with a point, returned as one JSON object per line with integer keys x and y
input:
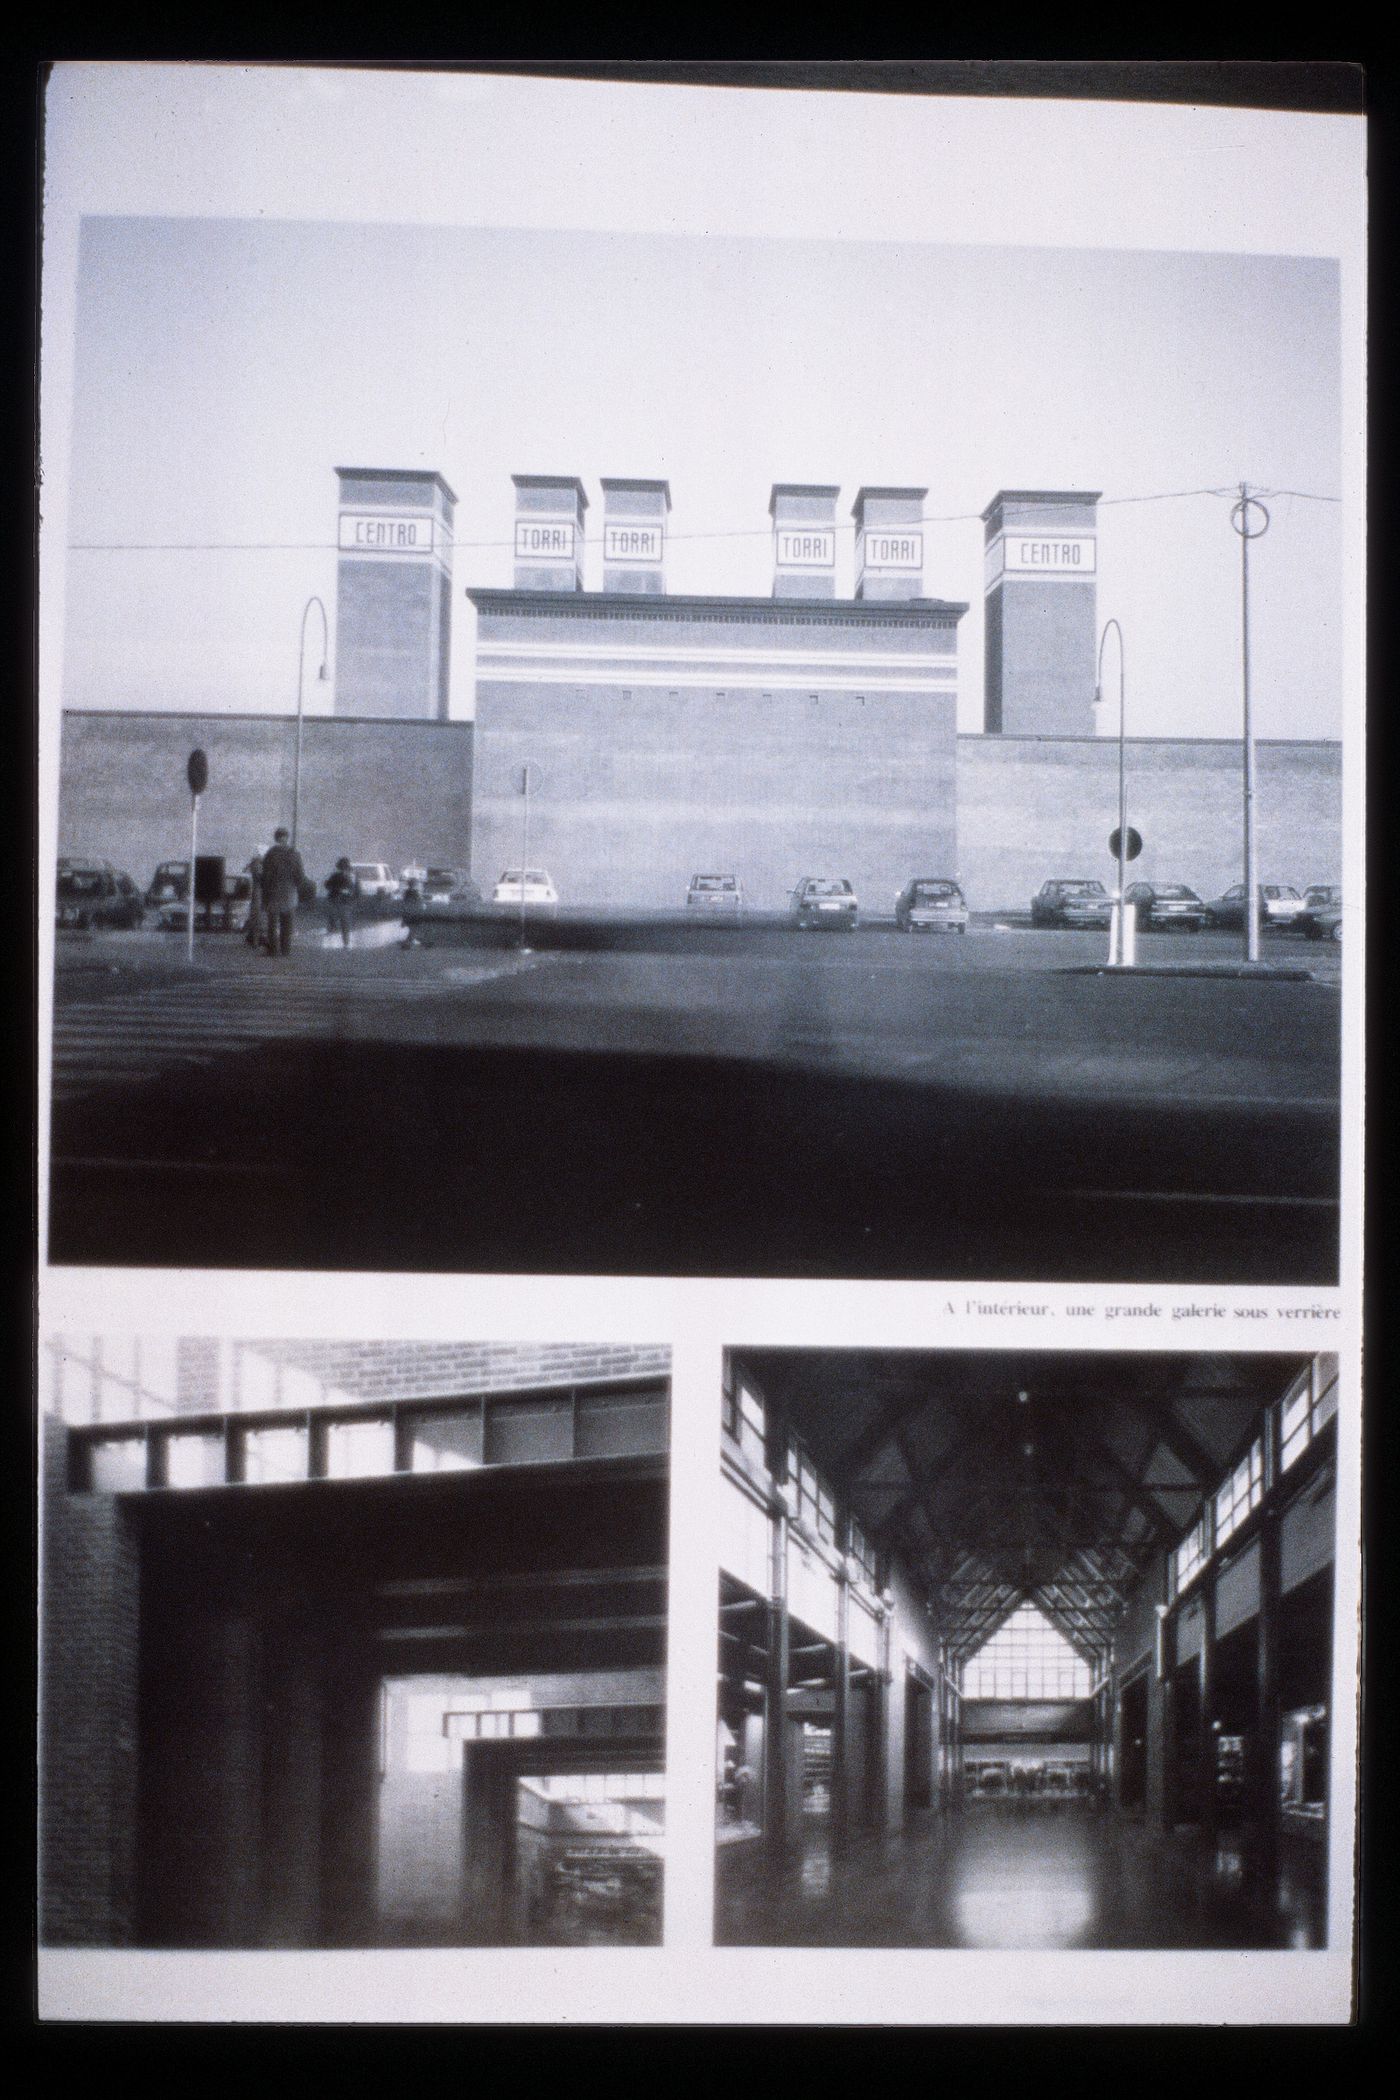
{"x": 253, "y": 930}
{"x": 341, "y": 891}
{"x": 282, "y": 879}
{"x": 412, "y": 915}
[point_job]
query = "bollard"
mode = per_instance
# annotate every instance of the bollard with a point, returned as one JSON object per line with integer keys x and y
{"x": 1122, "y": 936}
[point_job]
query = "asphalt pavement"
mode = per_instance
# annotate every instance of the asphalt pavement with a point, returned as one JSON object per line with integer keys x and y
{"x": 702, "y": 1101}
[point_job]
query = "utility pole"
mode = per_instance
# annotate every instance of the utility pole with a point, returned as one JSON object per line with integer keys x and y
{"x": 1239, "y": 519}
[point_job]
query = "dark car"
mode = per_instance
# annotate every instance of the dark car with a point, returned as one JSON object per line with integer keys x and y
{"x": 825, "y": 900}
{"x": 1166, "y": 906}
{"x": 226, "y": 915}
{"x": 1071, "y": 901}
{"x": 170, "y": 883}
{"x": 1321, "y": 916}
{"x": 441, "y": 887}
{"x": 931, "y": 904}
{"x": 93, "y": 893}
{"x": 1279, "y": 906}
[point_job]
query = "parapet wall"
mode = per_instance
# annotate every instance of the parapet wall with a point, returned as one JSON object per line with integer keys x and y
{"x": 399, "y": 792}
{"x": 1034, "y": 807}
{"x": 638, "y": 791}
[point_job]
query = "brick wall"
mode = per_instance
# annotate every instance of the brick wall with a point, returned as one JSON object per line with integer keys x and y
{"x": 390, "y": 635}
{"x": 413, "y": 1370}
{"x": 640, "y": 790}
{"x": 1044, "y": 657}
{"x": 393, "y": 791}
{"x": 88, "y": 1711}
{"x": 1033, "y": 807}
{"x": 207, "y": 1375}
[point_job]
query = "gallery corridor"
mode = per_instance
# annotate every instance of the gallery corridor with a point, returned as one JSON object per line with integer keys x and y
{"x": 1026, "y": 1650}
{"x": 1020, "y": 1874}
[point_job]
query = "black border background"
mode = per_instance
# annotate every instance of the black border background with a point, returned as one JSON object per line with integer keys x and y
{"x": 979, "y": 2058}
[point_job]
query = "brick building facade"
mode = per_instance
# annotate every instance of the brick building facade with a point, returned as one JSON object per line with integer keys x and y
{"x": 668, "y": 735}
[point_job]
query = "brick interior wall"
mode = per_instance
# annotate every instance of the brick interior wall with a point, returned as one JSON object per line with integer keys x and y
{"x": 88, "y": 1711}
{"x": 417, "y": 1370}
{"x": 393, "y": 791}
{"x": 93, "y": 1379}
{"x": 640, "y": 790}
{"x": 1033, "y": 807}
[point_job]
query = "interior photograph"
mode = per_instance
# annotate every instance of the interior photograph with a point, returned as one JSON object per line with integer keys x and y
{"x": 1025, "y": 1650}
{"x": 353, "y": 1644}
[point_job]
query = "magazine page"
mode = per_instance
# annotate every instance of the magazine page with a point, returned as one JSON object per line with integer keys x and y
{"x": 701, "y": 751}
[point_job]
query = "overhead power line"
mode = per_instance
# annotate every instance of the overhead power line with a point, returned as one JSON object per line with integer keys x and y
{"x": 742, "y": 532}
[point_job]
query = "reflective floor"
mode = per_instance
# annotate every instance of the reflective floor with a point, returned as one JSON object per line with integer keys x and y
{"x": 1020, "y": 1874}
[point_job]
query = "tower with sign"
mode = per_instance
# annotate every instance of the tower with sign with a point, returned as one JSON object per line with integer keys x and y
{"x": 1041, "y": 612}
{"x": 549, "y": 512}
{"x": 393, "y": 623}
{"x": 804, "y": 539}
{"x": 889, "y": 542}
{"x": 634, "y": 536}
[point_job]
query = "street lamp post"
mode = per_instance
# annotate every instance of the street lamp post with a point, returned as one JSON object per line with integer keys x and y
{"x": 323, "y": 675}
{"x": 528, "y": 777}
{"x": 1120, "y": 945}
{"x": 1239, "y": 518}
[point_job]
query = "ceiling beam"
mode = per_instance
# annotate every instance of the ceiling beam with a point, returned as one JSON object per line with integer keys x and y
{"x": 1183, "y": 1445}
{"x": 1095, "y": 1449}
{"x": 871, "y": 1440}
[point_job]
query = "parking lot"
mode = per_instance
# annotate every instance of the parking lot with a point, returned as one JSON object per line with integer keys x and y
{"x": 656, "y": 1097}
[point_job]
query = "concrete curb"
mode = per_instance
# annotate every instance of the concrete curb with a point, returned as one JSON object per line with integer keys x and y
{"x": 1282, "y": 973}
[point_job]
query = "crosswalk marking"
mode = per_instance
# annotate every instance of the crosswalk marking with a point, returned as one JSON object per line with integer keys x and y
{"x": 130, "y": 1036}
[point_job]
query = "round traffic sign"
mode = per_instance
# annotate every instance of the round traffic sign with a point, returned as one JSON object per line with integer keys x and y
{"x": 197, "y": 772}
{"x": 1131, "y": 849}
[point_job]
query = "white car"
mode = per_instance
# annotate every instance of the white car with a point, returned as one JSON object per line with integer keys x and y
{"x": 530, "y": 887}
{"x": 374, "y": 879}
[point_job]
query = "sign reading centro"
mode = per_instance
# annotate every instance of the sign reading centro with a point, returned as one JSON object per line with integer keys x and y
{"x": 386, "y": 532}
{"x": 1048, "y": 553}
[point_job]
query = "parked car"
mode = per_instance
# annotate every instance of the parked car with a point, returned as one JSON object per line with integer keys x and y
{"x": 1321, "y": 916}
{"x": 825, "y": 900}
{"x": 1166, "y": 907}
{"x": 441, "y": 887}
{"x": 1071, "y": 901}
{"x": 228, "y": 916}
{"x": 170, "y": 883}
{"x": 528, "y": 886}
{"x": 931, "y": 904}
{"x": 374, "y": 879}
{"x": 1325, "y": 924}
{"x": 1279, "y": 906}
{"x": 93, "y": 893}
{"x": 723, "y": 894}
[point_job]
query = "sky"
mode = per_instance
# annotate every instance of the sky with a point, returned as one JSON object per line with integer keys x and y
{"x": 224, "y": 367}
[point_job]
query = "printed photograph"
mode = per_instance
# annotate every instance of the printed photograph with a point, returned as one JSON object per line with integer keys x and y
{"x": 613, "y": 753}
{"x": 1027, "y": 1651}
{"x": 352, "y": 1644}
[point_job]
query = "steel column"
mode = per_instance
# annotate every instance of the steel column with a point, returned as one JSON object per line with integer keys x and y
{"x": 775, "y": 1803}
